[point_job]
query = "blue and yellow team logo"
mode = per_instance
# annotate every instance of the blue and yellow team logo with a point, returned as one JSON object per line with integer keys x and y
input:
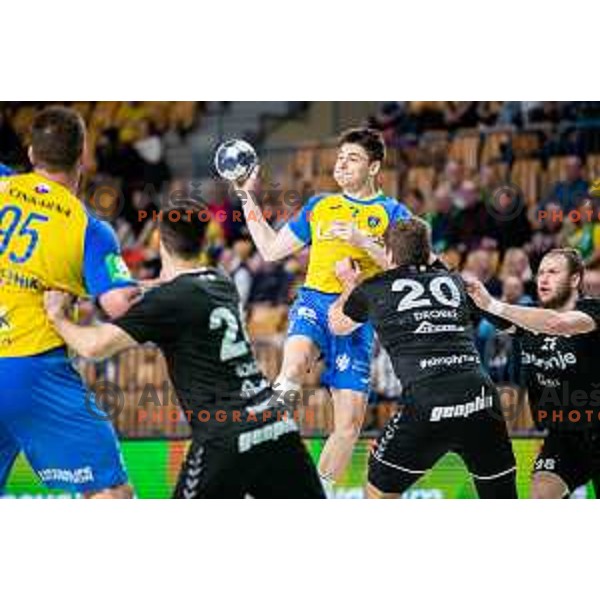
{"x": 373, "y": 222}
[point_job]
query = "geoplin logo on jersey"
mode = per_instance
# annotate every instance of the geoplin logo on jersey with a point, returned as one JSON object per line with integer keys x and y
{"x": 481, "y": 402}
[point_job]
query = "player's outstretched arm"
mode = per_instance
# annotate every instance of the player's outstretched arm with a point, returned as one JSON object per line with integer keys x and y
{"x": 339, "y": 322}
{"x": 538, "y": 320}
{"x": 89, "y": 341}
{"x": 272, "y": 245}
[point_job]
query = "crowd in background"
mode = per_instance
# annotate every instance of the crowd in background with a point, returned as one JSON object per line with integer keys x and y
{"x": 474, "y": 228}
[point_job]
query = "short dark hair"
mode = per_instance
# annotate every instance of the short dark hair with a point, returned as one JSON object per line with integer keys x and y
{"x": 370, "y": 140}
{"x": 575, "y": 263}
{"x": 57, "y": 138}
{"x": 183, "y": 228}
{"x": 409, "y": 242}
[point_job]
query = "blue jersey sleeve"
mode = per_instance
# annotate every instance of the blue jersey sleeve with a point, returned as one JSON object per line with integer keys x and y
{"x": 300, "y": 224}
{"x": 5, "y": 171}
{"x": 397, "y": 211}
{"x": 103, "y": 266}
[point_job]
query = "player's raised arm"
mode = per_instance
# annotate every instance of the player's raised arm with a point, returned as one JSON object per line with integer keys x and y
{"x": 273, "y": 245}
{"x": 348, "y": 312}
{"x": 538, "y": 320}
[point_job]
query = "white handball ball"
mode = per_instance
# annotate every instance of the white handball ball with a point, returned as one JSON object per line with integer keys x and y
{"x": 235, "y": 159}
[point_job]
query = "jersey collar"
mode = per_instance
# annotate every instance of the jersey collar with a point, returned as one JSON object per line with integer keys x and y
{"x": 370, "y": 200}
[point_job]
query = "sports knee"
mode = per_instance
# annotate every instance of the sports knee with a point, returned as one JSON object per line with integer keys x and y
{"x": 119, "y": 492}
{"x": 349, "y": 431}
{"x": 296, "y": 367}
{"x": 547, "y": 490}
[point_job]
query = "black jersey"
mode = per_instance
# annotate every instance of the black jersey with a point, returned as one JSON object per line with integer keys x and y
{"x": 562, "y": 374}
{"x": 195, "y": 320}
{"x": 423, "y": 318}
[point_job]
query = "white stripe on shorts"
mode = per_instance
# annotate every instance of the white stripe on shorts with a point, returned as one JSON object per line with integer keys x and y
{"x": 486, "y": 477}
{"x": 398, "y": 467}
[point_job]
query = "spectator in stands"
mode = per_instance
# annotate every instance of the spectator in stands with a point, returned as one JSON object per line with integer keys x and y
{"x": 128, "y": 116}
{"x": 510, "y": 113}
{"x": 509, "y": 224}
{"x": 481, "y": 264}
{"x": 441, "y": 218}
{"x": 569, "y": 193}
{"x": 547, "y": 236}
{"x": 149, "y": 148}
{"x": 516, "y": 265}
{"x": 12, "y": 151}
{"x": 239, "y": 270}
{"x": 389, "y": 120}
{"x": 426, "y": 115}
{"x": 496, "y": 348}
{"x": 584, "y": 233}
{"x": 454, "y": 175}
{"x": 271, "y": 282}
{"x": 487, "y": 113}
{"x": 472, "y": 227}
{"x": 221, "y": 208}
{"x": 415, "y": 201}
{"x": 489, "y": 182}
{"x": 461, "y": 115}
{"x": 545, "y": 112}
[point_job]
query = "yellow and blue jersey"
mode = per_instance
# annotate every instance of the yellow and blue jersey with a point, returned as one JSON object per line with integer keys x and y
{"x": 372, "y": 216}
{"x": 48, "y": 241}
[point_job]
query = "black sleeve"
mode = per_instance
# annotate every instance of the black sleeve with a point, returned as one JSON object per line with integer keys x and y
{"x": 591, "y": 307}
{"x": 357, "y": 306}
{"x": 150, "y": 320}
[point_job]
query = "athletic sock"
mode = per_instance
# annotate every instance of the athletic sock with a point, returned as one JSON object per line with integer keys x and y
{"x": 328, "y": 485}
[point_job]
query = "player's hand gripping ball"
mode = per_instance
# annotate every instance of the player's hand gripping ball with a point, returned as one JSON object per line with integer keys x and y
{"x": 235, "y": 160}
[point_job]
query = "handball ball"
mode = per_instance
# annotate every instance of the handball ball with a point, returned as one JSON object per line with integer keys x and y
{"x": 235, "y": 160}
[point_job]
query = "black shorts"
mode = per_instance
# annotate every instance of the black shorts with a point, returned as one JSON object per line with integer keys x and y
{"x": 262, "y": 463}
{"x": 574, "y": 456}
{"x": 414, "y": 440}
